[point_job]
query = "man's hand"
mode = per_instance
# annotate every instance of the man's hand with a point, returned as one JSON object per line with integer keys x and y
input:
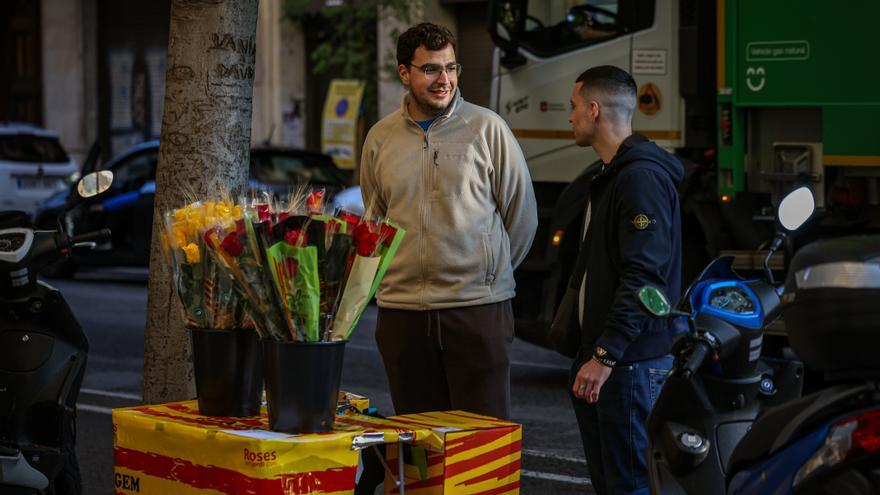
{"x": 589, "y": 380}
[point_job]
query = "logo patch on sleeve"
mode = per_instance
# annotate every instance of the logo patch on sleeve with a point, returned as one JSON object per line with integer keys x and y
{"x": 642, "y": 221}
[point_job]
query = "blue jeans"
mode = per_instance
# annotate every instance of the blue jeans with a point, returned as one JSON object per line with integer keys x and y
{"x": 613, "y": 429}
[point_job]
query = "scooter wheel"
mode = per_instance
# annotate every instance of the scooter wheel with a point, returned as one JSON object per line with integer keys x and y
{"x": 69, "y": 479}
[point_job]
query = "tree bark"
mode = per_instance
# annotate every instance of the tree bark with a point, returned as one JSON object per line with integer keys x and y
{"x": 204, "y": 151}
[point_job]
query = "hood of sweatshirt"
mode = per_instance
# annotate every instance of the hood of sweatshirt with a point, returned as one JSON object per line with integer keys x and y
{"x": 639, "y": 148}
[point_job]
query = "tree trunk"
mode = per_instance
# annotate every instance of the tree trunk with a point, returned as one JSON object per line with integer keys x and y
{"x": 204, "y": 150}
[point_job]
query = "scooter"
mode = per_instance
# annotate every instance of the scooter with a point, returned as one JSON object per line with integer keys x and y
{"x": 719, "y": 382}
{"x": 827, "y": 442}
{"x": 43, "y": 353}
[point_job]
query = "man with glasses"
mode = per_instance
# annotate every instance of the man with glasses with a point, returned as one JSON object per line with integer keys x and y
{"x": 452, "y": 174}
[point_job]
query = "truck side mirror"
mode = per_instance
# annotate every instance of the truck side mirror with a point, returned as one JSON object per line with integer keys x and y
{"x": 506, "y": 22}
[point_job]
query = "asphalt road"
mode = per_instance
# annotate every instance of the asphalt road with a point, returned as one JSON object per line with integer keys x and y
{"x": 111, "y": 307}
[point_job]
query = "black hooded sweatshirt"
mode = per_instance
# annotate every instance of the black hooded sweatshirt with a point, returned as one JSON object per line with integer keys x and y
{"x": 634, "y": 239}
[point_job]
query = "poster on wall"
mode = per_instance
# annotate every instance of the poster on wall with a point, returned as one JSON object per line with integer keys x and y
{"x": 339, "y": 126}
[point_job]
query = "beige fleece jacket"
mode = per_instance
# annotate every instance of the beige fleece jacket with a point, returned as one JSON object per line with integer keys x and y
{"x": 464, "y": 195}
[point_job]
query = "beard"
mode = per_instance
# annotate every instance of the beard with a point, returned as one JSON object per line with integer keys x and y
{"x": 429, "y": 106}
{"x": 585, "y": 136}
{"x": 585, "y": 139}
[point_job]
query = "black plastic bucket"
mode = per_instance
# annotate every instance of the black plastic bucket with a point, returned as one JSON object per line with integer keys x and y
{"x": 229, "y": 371}
{"x": 302, "y": 384}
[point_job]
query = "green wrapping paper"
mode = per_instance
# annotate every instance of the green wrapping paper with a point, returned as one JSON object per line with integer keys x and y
{"x": 333, "y": 273}
{"x": 333, "y": 247}
{"x": 189, "y": 279}
{"x": 223, "y": 305}
{"x": 386, "y": 251}
{"x": 263, "y": 239}
{"x": 261, "y": 285}
{"x": 299, "y": 286}
{"x": 208, "y": 296}
{"x": 251, "y": 283}
{"x": 363, "y": 281}
{"x": 355, "y": 296}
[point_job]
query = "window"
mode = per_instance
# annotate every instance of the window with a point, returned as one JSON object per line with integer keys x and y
{"x": 552, "y": 27}
{"x": 31, "y": 149}
{"x": 280, "y": 168}
{"x": 133, "y": 172}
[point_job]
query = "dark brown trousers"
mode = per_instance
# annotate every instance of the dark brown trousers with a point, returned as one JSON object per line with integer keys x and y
{"x": 440, "y": 360}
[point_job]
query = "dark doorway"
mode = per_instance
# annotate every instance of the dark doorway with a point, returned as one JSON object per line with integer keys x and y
{"x": 317, "y": 30}
{"x": 132, "y": 52}
{"x": 475, "y": 51}
{"x": 21, "y": 87}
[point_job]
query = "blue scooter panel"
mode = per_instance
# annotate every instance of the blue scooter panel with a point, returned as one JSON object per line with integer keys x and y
{"x": 777, "y": 473}
{"x": 730, "y": 300}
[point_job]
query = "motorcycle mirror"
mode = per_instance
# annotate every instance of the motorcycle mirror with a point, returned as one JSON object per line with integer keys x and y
{"x": 94, "y": 183}
{"x": 654, "y": 301}
{"x": 796, "y": 208}
{"x": 793, "y": 212}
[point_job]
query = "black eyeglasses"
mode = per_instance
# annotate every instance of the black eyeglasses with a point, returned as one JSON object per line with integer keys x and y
{"x": 432, "y": 71}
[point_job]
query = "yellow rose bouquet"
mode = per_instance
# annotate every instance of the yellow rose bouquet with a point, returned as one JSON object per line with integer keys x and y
{"x": 205, "y": 290}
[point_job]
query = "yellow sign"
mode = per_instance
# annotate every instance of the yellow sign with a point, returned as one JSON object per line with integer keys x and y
{"x": 650, "y": 101}
{"x": 339, "y": 127}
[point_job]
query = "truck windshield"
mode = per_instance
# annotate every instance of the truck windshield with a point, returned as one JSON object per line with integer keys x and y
{"x": 547, "y": 28}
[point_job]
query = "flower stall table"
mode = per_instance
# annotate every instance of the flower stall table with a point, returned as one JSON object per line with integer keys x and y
{"x": 171, "y": 449}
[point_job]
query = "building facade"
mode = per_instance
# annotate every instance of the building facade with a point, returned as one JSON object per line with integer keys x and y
{"x": 94, "y": 70}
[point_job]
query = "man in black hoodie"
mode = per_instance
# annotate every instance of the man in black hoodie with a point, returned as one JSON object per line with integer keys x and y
{"x": 633, "y": 238}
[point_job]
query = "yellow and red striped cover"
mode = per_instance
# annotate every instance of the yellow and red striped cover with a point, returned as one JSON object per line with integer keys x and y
{"x": 476, "y": 455}
{"x": 171, "y": 449}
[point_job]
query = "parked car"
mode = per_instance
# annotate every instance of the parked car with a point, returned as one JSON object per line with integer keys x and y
{"x": 127, "y": 209}
{"x": 33, "y": 166}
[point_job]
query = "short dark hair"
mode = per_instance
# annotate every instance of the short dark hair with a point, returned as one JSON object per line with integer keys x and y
{"x": 431, "y": 36}
{"x": 614, "y": 86}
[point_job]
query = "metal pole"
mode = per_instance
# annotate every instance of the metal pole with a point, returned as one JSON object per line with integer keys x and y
{"x": 402, "y": 482}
